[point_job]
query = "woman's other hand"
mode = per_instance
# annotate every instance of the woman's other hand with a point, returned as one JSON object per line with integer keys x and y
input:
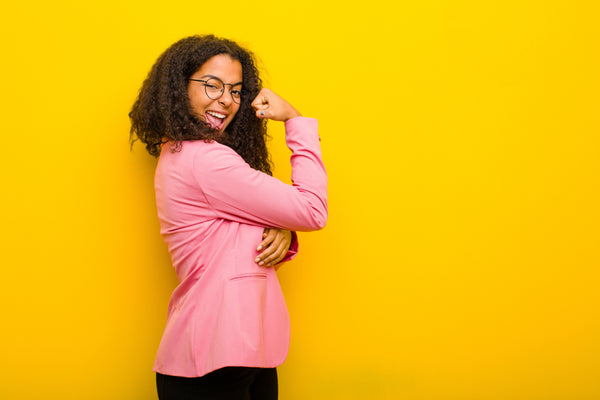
{"x": 269, "y": 104}
{"x": 275, "y": 245}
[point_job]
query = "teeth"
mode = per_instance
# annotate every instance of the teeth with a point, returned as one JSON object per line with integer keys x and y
{"x": 216, "y": 114}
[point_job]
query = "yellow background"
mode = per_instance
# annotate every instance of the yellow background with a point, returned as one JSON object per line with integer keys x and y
{"x": 461, "y": 138}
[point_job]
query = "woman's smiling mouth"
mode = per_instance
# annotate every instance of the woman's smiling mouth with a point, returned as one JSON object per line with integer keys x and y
{"x": 215, "y": 119}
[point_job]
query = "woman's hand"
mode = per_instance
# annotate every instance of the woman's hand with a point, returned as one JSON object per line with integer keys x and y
{"x": 270, "y": 105}
{"x": 276, "y": 243}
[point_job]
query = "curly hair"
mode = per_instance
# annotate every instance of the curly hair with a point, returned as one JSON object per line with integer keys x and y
{"x": 163, "y": 113}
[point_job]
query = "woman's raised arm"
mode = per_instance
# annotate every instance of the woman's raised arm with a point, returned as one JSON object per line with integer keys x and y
{"x": 235, "y": 191}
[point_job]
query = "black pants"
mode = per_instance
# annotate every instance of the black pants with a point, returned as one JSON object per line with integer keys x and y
{"x": 230, "y": 383}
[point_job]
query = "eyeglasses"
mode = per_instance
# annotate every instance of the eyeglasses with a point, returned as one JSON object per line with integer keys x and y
{"x": 214, "y": 88}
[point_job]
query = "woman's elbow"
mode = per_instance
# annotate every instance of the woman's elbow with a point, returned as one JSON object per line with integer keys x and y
{"x": 317, "y": 220}
{"x": 312, "y": 214}
{"x": 322, "y": 222}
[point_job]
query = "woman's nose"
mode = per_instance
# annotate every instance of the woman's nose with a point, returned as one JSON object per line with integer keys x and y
{"x": 225, "y": 98}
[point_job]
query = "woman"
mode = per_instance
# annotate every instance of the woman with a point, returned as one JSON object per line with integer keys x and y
{"x": 225, "y": 220}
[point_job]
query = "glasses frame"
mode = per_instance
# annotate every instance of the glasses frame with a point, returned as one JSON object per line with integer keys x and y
{"x": 205, "y": 81}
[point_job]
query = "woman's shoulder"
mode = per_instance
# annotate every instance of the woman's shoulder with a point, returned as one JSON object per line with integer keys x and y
{"x": 199, "y": 155}
{"x": 189, "y": 148}
{"x": 208, "y": 155}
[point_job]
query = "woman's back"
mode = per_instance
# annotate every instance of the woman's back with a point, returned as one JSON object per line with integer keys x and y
{"x": 213, "y": 209}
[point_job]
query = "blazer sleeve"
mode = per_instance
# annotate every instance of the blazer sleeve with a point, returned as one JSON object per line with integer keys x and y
{"x": 240, "y": 193}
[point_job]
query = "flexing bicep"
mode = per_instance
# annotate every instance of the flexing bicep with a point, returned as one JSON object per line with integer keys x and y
{"x": 238, "y": 192}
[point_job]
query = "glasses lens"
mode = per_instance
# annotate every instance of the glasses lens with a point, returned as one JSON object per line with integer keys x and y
{"x": 236, "y": 95}
{"x": 214, "y": 88}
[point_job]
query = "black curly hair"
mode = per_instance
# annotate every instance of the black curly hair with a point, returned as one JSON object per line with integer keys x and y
{"x": 163, "y": 113}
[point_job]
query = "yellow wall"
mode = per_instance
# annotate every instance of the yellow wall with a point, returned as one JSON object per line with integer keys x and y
{"x": 461, "y": 137}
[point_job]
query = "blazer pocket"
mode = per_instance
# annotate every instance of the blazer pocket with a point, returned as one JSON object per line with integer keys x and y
{"x": 252, "y": 275}
{"x": 248, "y": 295}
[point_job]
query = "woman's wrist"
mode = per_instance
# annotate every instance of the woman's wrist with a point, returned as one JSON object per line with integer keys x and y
{"x": 292, "y": 114}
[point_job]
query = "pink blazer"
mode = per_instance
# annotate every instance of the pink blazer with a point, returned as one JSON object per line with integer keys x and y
{"x": 213, "y": 208}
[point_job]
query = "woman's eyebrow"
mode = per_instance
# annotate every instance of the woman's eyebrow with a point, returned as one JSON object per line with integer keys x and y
{"x": 216, "y": 77}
